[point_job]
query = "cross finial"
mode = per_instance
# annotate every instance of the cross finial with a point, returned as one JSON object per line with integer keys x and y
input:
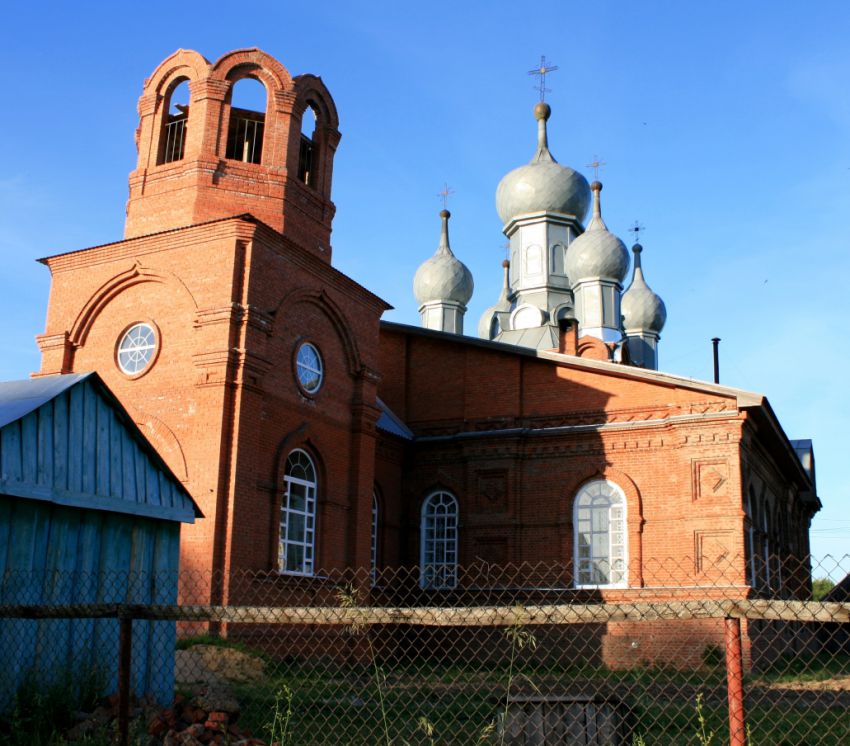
{"x": 636, "y": 229}
{"x": 444, "y": 195}
{"x": 542, "y": 71}
{"x": 507, "y": 247}
{"x": 596, "y": 164}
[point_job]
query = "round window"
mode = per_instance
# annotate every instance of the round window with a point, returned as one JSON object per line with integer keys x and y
{"x": 308, "y": 365}
{"x": 136, "y": 349}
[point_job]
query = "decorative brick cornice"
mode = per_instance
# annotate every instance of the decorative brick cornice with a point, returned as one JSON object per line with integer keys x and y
{"x": 48, "y": 342}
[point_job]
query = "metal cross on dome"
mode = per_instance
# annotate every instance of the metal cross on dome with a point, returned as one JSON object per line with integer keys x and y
{"x": 636, "y": 229}
{"x": 444, "y": 195}
{"x": 542, "y": 71}
{"x": 596, "y": 164}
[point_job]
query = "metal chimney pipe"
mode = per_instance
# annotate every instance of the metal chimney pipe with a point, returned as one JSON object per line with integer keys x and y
{"x": 715, "y": 341}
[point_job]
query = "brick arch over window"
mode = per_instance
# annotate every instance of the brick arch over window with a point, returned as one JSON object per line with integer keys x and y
{"x": 310, "y": 157}
{"x": 183, "y": 65}
{"x": 163, "y": 439}
{"x": 310, "y": 90}
{"x": 255, "y": 63}
{"x": 113, "y": 287}
{"x": 634, "y": 516}
{"x": 322, "y": 301}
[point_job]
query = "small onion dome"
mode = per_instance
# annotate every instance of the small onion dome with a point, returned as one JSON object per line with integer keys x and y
{"x": 642, "y": 309}
{"x": 443, "y": 276}
{"x": 503, "y": 304}
{"x": 543, "y": 184}
{"x": 597, "y": 253}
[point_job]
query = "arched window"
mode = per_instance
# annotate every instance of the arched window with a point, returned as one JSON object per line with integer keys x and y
{"x": 533, "y": 260}
{"x": 559, "y": 254}
{"x": 375, "y": 517}
{"x": 307, "y": 154}
{"x": 298, "y": 516}
{"x": 247, "y": 121}
{"x": 438, "y": 541}
{"x": 751, "y": 538}
{"x": 765, "y": 543}
{"x": 599, "y": 520}
{"x": 173, "y": 142}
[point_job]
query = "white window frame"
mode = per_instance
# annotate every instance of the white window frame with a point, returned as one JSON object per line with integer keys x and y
{"x": 307, "y": 538}
{"x": 609, "y": 500}
{"x": 141, "y": 349}
{"x": 438, "y": 541}
{"x": 305, "y": 368}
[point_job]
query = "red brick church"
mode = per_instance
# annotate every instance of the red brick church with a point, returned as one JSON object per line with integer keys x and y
{"x": 315, "y": 436}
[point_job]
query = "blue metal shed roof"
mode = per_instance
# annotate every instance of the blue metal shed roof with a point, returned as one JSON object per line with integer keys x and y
{"x": 19, "y": 398}
{"x": 102, "y": 460}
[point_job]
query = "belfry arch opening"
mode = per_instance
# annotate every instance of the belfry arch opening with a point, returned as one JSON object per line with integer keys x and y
{"x": 307, "y": 151}
{"x": 246, "y": 128}
{"x": 173, "y": 141}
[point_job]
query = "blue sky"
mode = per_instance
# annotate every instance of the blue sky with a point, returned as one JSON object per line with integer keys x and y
{"x": 725, "y": 127}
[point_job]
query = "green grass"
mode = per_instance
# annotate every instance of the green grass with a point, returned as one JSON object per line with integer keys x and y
{"x": 43, "y": 709}
{"x": 803, "y": 668}
{"x": 329, "y": 702}
{"x": 329, "y": 699}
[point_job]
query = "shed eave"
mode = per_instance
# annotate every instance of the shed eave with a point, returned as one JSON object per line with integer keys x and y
{"x": 95, "y": 502}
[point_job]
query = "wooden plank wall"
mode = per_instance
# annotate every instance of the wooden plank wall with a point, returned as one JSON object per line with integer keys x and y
{"x": 52, "y": 554}
{"x": 76, "y": 449}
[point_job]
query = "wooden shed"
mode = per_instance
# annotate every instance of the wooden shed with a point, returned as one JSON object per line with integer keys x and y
{"x": 89, "y": 513}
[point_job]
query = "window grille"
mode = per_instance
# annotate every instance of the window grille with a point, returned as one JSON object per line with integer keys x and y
{"x": 600, "y": 535}
{"x": 298, "y": 516}
{"x": 439, "y": 541}
{"x": 136, "y": 349}
{"x": 175, "y": 138}
{"x": 245, "y": 136}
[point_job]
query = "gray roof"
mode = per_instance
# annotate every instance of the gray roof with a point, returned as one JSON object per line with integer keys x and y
{"x": 19, "y": 398}
{"x": 536, "y": 337}
{"x": 806, "y": 453}
{"x": 391, "y": 423}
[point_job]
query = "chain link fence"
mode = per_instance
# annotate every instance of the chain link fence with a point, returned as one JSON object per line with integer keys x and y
{"x": 740, "y": 652}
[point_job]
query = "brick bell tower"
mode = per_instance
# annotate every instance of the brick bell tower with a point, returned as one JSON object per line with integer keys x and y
{"x": 209, "y": 159}
{"x": 200, "y": 320}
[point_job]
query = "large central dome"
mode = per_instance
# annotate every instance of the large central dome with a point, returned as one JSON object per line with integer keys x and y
{"x": 543, "y": 185}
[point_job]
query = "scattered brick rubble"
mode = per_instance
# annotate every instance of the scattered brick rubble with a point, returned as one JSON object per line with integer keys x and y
{"x": 188, "y": 722}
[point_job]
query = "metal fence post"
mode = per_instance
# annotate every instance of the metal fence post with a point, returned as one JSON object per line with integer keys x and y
{"x": 735, "y": 683}
{"x": 125, "y": 658}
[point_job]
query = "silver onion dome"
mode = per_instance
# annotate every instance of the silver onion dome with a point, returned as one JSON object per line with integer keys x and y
{"x": 543, "y": 184}
{"x": 502, "y": 305}
{"x": 443, "y": 276}
{"x": 597, "y": 253}
{"x": 641, "y": 308}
